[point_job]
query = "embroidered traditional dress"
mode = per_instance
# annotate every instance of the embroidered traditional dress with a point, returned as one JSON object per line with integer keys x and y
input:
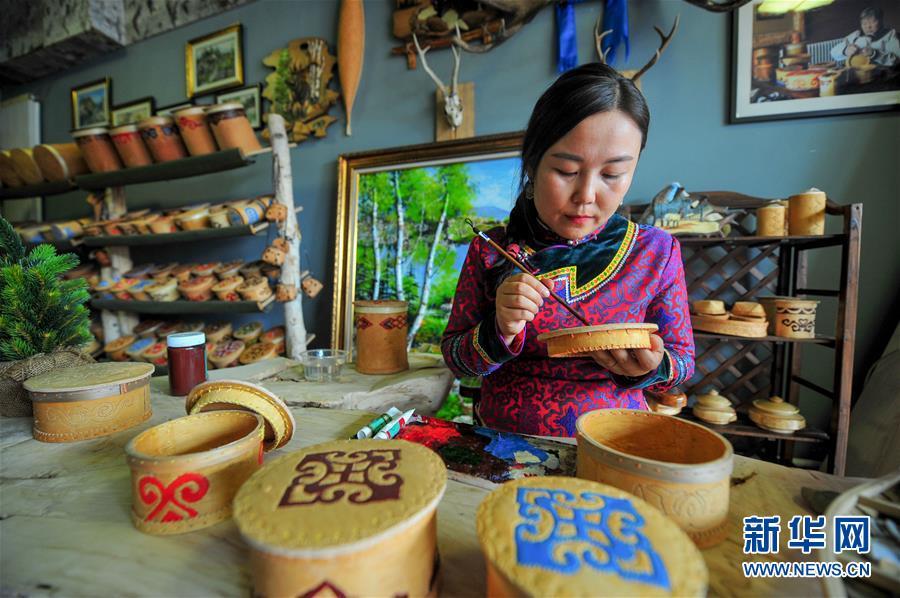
{"x": 623, "y": 272}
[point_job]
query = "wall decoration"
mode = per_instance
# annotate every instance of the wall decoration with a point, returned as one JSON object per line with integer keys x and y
{"x": 484, "y": 24}
{"x": 250, "y": 98}
{"x": 90, "y": 104}
{"x": 834, "y": 59}
{"x": 298, "y": 89}
{"x": 603, "y": 49}
{"x": 133, "y": 112}
{"x": 351, "y": 50}
{"x": 215, "y": 61}
{"x": 458, "y": 119}
{"x": 173, "y": 108}
{"x": 674, "y": 210}
{"x": 400, "y": 226}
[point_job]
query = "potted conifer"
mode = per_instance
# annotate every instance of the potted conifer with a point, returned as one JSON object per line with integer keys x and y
{"x": 43, "y": 319}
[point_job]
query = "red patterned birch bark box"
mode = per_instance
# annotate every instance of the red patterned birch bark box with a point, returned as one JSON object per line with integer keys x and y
{"x": 381, "y": 328}
{"x": 344, "y": 518}
{"x": 555, "y": 536}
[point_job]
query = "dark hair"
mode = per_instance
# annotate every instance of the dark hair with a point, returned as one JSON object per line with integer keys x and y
{"x": 574, "y": 96}
{"x": 872, "y": 13}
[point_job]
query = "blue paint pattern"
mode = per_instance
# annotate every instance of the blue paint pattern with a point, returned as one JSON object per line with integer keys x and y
{"x": 505, "y": 446}
{"x": 564, "y": 532}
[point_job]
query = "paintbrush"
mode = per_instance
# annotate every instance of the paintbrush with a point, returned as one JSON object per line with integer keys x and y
{"x": 522, "y": 267}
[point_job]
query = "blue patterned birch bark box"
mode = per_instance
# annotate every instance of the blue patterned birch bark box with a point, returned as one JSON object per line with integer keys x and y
{"x": 555, "y": 536}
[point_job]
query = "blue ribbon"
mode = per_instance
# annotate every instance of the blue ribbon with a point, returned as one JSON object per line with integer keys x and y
{"x": 615, "y": 17}
{"x": 567, "y": 38}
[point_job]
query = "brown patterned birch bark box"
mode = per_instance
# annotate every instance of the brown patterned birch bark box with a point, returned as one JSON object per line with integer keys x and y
{"x": 89, "y": 401}
{"x": 381, "y": 328}
{"x": 681, "y": 468}
{"x": 344, "y": 518}
{"x": 556, "y": 536}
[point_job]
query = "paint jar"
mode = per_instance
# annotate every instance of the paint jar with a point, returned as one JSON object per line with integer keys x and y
{"x": 231, "y": 128}
{"x": 187, "y": 361}
{"x": 98, "y": 149}
{"x": 162, "y": 138}
{"x": 130, "y": 145}
{"x": 807, "y": 213}
{"x": 381, "y": 328}
{"x": 770, "y": 220}
{"x": 195, "y": 131}
{"x": 59, "y": 161}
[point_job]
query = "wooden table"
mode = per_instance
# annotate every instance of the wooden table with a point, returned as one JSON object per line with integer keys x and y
{"x": 65, "y": 526}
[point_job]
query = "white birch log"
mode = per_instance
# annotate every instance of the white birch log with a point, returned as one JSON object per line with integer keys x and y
{"x": 401, "y": 233}
{"x": 295, "y": 328}
{"x": 376, "y": 290}
{"x": 429, "y": 274}
{"x": 121, "y": 323}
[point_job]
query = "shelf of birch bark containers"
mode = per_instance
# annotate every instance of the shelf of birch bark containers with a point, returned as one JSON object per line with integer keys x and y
{"x": 744, "y": 427}
{"x": 172, "y": 169}
{"x": 184, "y": 307}
{"x": 818, "y": 340}
{"x": 41, "y": 190}
{"x": 799, "y": 241}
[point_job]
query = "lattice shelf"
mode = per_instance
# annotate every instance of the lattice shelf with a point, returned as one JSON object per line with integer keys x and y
{"x": 743, "y": 267}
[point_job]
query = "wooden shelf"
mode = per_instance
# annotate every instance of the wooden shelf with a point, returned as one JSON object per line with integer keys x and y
{"x": 828, "y": 341}
{"x": 165, "y": 171}
{"x": 746, "y": 428}
{"x": 801, "y": 242}
{"x": 185, "y": 307}
{"x": 41, "y": 190}
{"x": 207, "y": 234}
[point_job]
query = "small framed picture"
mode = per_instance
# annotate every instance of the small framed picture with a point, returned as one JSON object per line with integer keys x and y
{"x": 133, "y": 112}
{"x": 251, "y": 98}
{"x": 215, "y": 61}
{"x": 90, "y": 104}
{"x": 172, "y": 108}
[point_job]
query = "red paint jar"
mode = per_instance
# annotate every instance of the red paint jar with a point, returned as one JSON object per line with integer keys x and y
{"x": 187, "y": 361}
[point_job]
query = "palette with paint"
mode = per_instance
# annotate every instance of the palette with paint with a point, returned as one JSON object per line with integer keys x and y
{"x": 485, "y": 457}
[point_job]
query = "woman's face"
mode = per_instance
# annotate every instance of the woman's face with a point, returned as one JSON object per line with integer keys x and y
{"x": 870, "y": 25}
{"x": 582, "y": 178}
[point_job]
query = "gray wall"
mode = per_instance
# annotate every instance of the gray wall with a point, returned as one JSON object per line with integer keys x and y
{"x": 853, "y": 158}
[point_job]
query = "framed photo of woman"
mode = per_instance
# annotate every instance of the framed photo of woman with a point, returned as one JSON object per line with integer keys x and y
{"x": 90, "y": 104}
{"x": 838, "y": 58}
{"x": 215, "y": 61}
{"x": 401, "y": 231}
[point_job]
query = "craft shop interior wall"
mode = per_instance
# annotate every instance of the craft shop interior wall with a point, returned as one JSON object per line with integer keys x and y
{"x": 853, "y": 158}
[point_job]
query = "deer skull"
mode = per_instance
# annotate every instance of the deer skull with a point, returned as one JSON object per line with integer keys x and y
{"x": 453, "y": 107}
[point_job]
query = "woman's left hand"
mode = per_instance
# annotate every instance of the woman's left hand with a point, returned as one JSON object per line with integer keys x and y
{"x": 633, "y": 363}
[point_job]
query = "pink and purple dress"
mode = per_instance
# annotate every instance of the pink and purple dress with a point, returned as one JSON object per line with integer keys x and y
{"x": 623, "y": 272}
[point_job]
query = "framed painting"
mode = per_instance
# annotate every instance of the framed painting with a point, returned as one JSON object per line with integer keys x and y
{"x": 214, "y": 61}
{"x": 250, "y": 98}
{"x": 90, "y": 104}
{"x": 132, "y": 112}
{"x": 836, "y": 58}
{"x": 401, "y": 233}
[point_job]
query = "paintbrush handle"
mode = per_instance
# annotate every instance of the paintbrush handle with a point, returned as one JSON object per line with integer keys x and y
{"x": 522, "y": 267}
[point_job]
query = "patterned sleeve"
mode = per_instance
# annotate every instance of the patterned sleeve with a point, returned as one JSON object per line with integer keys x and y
{"x": 471, "y": 344}
{"x": 669, "y": 310}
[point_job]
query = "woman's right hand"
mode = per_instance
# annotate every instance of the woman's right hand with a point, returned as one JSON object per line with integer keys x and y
{"x": 519, "y": 298}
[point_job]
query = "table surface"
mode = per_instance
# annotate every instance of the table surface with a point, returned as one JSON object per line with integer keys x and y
{"x": 65, "y": 527}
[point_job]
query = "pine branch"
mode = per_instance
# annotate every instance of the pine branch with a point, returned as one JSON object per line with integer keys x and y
{"x": 12, "y": 250}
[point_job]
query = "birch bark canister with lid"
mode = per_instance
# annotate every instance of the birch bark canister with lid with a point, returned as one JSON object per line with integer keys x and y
{"x": 130, "y": 145}
{"x": 195, "y": 131}
{"x": 350, "y": 517}
{"x": 231, "y": 128}
{"x": 162, "y": 138}
{"x": 97, "y": 149}
{"x": 557, "y": 536}
{"x": 381, "y": 329}
{"x": 681, "y": 468}
{"x": 89, "y": 401}
{"x": 806, "y": 213}
{"x": 59, "y": 161}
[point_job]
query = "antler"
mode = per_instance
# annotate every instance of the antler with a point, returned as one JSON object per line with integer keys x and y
{"x": 598, "y": 41}
{"x": 712, "y": 5}
{"x": 437, "y": 80}
{"x": 455, "y": 81}
{"x": 662, "y": 47}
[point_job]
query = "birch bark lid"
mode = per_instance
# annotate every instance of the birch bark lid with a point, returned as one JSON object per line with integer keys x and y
{"x": 351, "y": 50}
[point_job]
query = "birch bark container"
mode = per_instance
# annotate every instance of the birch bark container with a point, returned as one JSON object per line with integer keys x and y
{"x": 556, "y": 536}
{"x": 354, "y": 518}
{"x": 26, "y": 167}
{"x": 98, "y": 149}
{"x": 162, "y": 138}
{"x": 795, "y": 318}
{"x": 130, "y": 145}
{"x": 195, "y": 131}
{"x": 679, "y": 467}
{"x": 231, "y": 128}
{"x": 89, "y": 401}
{"x": 807, "y": 213}
{"x": 59, "y": 161}
{"x": 381, "y": 328}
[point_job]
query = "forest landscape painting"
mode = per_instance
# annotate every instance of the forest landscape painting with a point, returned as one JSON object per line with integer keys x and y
{"x": 410, "y": 238}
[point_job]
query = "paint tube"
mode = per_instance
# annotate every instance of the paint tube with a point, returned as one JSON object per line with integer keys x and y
{"x": 392, "y": 429}
{"x": 376, "y": 424}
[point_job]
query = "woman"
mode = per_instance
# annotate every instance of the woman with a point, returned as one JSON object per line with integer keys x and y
{"x": 579, "y": 154}
{"x": 872, "y": 39}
